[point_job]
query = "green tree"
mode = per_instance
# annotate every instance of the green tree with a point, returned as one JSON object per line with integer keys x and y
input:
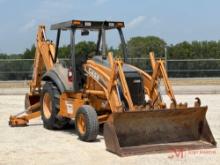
{"x": 29, "y": 53}
{"x": 85, "y": 48}
{"x": 64, "y": 51}
{"x": 82, "y": 48}
{"x": 141, "y": 46}
{"x": 181, "y": 50}
{"x": 3, "y": 56}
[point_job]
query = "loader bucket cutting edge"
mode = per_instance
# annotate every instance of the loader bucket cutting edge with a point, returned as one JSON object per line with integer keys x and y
{"x": 132, "y": 133}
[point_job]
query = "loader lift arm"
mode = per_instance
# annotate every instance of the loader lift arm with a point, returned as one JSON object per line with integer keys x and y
{"x": 151, "y": 84}
{"x": 159, "y": 72}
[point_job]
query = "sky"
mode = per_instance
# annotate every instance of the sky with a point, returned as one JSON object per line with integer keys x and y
{"x": 172, "y": 20}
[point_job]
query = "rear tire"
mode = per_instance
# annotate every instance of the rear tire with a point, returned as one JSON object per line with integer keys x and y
{"x": 50, "y": 107}
{"x": 87, "y": 124}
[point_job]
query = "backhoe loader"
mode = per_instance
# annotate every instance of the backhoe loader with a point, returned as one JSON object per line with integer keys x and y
{"x": 98, "y": 89}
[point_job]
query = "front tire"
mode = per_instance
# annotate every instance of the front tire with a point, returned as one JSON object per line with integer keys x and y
{"x": 86, "y": 122}
{"x": 50, "y": 107}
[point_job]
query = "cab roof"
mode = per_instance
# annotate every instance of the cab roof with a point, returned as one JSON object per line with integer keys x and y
{"x": 96, "y": 25}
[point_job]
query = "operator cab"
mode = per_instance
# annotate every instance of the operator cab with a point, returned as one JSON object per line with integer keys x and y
{"x": 75, "y": 71}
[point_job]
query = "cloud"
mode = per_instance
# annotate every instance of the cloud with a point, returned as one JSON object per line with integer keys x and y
{"x": 57, "y": 4}
{"x": 29, "y": 25}
{"x": 100, "y": 2}
{"x": 51, "y": 10}
{"x": 46, "y": 13}
{"x": 154, "y": 20}
{"x": 136, "y": 21}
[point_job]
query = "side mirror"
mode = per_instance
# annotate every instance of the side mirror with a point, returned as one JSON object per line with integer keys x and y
{"x": 84, "y": 32}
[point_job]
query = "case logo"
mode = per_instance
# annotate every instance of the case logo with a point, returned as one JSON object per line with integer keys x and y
{"x": 93, "y": 74}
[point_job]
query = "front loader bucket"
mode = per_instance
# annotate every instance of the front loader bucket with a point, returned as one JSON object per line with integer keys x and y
{"x": 131, "y": 133}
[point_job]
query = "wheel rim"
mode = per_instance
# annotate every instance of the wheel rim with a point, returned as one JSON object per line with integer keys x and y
{"x": 81, "y": 124}
{"x": 47, "y": 105}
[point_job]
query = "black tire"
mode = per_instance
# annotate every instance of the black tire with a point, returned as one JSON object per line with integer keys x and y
{"x": 91, "y": 123}
{"x": 53, "y": 121}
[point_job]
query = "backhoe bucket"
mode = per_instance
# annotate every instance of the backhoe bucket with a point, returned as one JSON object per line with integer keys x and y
{"x": 32, "y": 108}
{"x": 31, "y": 100}
{"x": 131, "y": 133}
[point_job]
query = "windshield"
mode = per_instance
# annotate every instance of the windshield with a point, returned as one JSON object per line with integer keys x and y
{"x": 88, "y": 43}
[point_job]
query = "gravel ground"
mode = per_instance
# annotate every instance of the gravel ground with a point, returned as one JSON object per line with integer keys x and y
{"x": 36, "y": 145}
{"x": 178, "y": 90}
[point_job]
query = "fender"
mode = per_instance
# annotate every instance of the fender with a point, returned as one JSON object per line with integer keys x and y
{"x": 52, "y": 76}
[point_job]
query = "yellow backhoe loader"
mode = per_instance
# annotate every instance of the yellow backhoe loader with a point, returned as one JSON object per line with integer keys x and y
{"x": 100, "y": 89}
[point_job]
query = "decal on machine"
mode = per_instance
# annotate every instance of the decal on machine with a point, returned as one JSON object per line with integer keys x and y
{"x": 69, "y": 106}
{"x": 96, "y": 76}
{"x": 93, "y": 74}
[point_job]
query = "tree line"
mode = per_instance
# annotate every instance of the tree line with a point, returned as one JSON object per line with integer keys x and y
{"x": 138, "y": 47}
